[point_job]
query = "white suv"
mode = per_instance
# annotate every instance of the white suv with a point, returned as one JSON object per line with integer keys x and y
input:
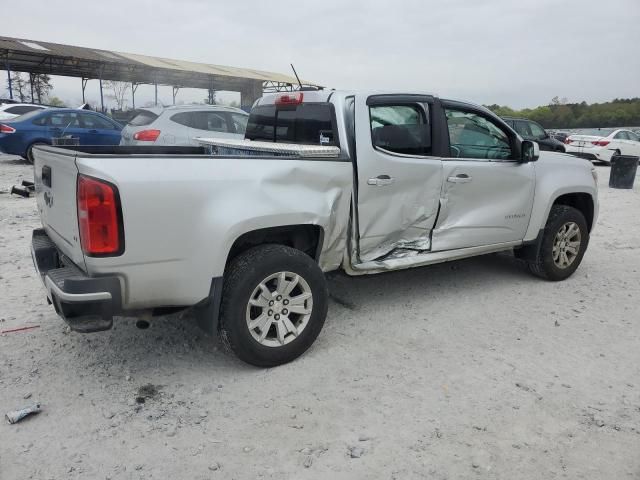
{"x": 180, "y": 125}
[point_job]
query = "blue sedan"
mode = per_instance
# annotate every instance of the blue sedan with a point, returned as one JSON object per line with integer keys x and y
{"x": 19, "y": 135}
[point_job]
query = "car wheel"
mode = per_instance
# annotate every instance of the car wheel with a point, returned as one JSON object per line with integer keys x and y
{"x": 274, "y": 304}
{"x": 30, "y": 158}
{"x": 564, "y": 241}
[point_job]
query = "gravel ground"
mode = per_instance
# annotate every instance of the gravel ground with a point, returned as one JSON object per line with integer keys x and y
{"x": 472, "y": 369}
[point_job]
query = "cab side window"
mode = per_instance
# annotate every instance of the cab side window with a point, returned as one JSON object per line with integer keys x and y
{"x": 473, "y": 136}
{"x": 403, "y": 129}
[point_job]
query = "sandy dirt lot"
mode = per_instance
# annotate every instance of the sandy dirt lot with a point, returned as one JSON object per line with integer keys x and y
{"x": 472, "y": 369}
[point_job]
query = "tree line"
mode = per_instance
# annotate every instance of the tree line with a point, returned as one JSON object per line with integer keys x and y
{"x": 559, "y": 114}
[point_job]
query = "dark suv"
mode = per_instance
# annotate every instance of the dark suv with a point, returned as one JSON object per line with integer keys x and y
{"x": 530, "y": 130}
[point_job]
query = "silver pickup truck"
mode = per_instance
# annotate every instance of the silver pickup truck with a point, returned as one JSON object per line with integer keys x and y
{"x": 361, "y": 181}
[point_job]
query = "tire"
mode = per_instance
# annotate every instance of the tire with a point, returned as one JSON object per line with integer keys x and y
{"x": 29, "y": 156}
{"x": 544, "y": 265}
{"x": 256, "y": 275}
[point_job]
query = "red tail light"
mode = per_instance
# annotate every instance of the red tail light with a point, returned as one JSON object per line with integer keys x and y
{"x": 147, "y": 135}
{"x": 6, "y": 129}
{"x": 289, "y": 98}
{"x": 99, "y": 217}
{"x": 601, "y": 143}
{"x": 567, "y": 141}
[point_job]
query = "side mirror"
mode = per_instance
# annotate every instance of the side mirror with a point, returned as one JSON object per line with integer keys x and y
{"x": 530, "y": 151}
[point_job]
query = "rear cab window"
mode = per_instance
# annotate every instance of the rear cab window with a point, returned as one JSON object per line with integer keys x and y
{"x": 312, "y": 123}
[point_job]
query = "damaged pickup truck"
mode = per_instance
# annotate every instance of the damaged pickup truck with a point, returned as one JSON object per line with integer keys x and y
{"x": 243, "y": 231}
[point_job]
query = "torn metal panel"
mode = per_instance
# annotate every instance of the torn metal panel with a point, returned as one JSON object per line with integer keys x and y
{"x": 425, "y": 258}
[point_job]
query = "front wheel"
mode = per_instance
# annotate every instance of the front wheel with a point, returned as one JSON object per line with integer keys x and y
{"x": 274, "y": 304}
{"x": 564, "y": 241}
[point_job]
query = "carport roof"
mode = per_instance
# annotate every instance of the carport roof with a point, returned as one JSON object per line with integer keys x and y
{"x": 39, "y": 57}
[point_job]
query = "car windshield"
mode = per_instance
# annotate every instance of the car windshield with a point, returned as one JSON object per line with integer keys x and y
{"x": 596, "y": 132}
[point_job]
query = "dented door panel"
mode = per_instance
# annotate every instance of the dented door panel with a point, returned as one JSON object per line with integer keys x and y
{"x": 483, "y": 203}
{"x": 397, "y": 196}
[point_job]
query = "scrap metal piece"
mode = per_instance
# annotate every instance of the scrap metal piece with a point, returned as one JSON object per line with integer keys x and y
{"x": 16, "y": 415}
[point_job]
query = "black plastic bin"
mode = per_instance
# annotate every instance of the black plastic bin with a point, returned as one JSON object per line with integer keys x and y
{"x": 623, "y": 171}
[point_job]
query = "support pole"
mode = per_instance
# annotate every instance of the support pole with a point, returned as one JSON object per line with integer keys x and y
{"x": 9, "y": 77}
{"x": 101, "y": 98}
{"x": 156, "y": 85}
{"x": 84, "y": 86}
{"x": 175, "y": 92}
{"x": 39, "y": 90}
{"x": 31, "y": 77}
{"x": 134, "y": 87}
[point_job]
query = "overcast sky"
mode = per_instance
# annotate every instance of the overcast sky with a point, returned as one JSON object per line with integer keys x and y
{"x": 510, "y": 52}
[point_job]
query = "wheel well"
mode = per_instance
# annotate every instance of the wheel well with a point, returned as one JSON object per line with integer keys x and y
{"x": 305, "y": 237}
{"x": 33, "y": 142}
{"x": 579, "y": 201}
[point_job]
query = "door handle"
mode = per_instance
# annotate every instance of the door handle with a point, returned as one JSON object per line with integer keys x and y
{"x": 93, "y": 131}
{"x": 380, "y": 180}
{"x": 460, "y": 178}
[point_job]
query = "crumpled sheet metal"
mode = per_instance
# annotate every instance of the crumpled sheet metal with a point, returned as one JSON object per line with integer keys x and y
{"x": 247, "y": 147}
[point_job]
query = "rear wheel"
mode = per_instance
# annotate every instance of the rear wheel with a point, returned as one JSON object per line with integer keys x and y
{"x": 30, "y": 158}
{"x": 564, "y": 241}
{"x": 274, "y": 304}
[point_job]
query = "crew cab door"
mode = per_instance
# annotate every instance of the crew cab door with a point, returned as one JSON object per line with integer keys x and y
{"x": 398, "y": 179}
{"x": 487, "y": 193}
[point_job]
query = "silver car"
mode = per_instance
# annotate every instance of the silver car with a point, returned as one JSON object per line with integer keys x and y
{"x": 180, "y": 125}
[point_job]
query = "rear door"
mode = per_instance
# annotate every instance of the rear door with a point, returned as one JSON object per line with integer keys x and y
{"x": 634, "y": 142}
{"x": 487, "y": 194}
{"x": 398, "y": 176}
{"x": 98, "y": 130}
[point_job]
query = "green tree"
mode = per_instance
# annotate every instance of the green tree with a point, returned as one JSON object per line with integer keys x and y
{"x": 56, "y": 102}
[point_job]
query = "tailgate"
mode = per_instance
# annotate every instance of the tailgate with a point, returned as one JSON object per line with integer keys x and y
{"x": 55, "y": 178}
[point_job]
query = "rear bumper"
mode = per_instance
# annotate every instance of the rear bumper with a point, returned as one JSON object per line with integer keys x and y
{"x": 87, "y": 304}
{"x": 600, "y": 154}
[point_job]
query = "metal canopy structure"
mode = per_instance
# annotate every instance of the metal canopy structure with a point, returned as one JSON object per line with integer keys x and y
{"x": 36, "y": 57}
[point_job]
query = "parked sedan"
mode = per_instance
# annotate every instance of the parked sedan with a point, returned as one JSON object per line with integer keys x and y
{"x": 13, "y": 110}
{"x": 530, "y": 130}
{"x": 180, "y": 125}
{"x": 18, "y": 136}
{"x": 600, "y": 144}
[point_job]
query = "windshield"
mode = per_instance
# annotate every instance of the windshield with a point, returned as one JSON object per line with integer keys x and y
{"x": 596, "y": 132}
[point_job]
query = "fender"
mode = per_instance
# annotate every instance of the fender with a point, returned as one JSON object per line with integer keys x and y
{"x": 557, "y": 175}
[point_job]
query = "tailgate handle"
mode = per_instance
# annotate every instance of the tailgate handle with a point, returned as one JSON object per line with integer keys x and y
{"x": 46, "y": 175}
{"x": 460, "y": 178}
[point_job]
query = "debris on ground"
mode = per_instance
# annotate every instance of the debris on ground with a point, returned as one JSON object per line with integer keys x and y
{"x": 356, "y": 452}
{"x": 21, "y": 329}
{"x": 16, "y": 415}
